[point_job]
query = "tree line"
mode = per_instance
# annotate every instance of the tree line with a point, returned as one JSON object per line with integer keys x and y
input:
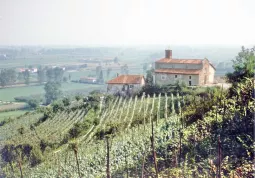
{"x": 11, "y": 76}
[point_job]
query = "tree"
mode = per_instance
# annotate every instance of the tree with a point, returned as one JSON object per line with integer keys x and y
{"x": 26, "y": 75}
{"x": 145, "y": 67}
{"x": 149, "y": 77}
{"x": 98, "y": 71}
{"x": 55, "y": 75}
{"x": 58, "y": 74}
{"x": 7, "y": 76}
{"x": 3, "y": 78}
{"x": 116, "y": 60}
{"x": 180, "y": 86}
{"x": 50, "y": 75}
{"x": 52, "y": 91}
{"x": 66, "y": 101}
{"x": 12, "y": 76}
{"x": 124, "y": 69}
{"x": 65, "y": 79}
{"x": 108, "y": 71}
{"x": 33, "y": 103}
{"x": 20, "y": 76}
{"x": 41, "y": 75}
{"x": 101, "y": 77}
{"x": 243, "y": 65}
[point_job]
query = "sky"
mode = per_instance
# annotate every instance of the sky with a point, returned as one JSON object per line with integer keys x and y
{"x": 126, "y": 22}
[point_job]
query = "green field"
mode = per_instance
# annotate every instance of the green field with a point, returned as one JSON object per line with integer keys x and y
{"x": 8, "y": 94}
{"x": 12, "y": 114}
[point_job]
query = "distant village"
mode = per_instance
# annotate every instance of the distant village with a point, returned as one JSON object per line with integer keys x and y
{"x": 166, "y": 71}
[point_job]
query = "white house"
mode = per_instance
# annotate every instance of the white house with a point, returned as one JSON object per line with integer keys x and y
{"x": 126, "y": 84}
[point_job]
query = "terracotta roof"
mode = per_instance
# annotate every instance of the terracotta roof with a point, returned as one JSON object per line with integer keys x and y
{"x": 126, "y": 79}
{"x": 179, "y": 61}
{"x": 179, "y": 71}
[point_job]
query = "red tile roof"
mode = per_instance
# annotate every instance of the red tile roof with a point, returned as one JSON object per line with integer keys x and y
{"x": 180, "y": 61}
{"x": 179, "y": 71}
{"x": 126, "y": 79}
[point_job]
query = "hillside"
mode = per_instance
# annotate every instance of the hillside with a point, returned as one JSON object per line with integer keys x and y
{"x": 185, "y": 133}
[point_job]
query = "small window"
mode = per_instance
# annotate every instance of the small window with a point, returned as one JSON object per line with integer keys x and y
{"x": 131, "y": 86}
{"x": 190, "y": 83}
{"x": 189, "y": 77}
{"x": 175, "y": 76}
{"x": 163, "y": 77}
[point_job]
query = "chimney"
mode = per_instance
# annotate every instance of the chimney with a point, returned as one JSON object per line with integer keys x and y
{"x": 168, "y": 53}
{"x": 117, "y": 74}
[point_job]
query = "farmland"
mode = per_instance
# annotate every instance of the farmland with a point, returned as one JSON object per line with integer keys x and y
{"x": 11, "y": 114}
{"x": 8, "y": 94}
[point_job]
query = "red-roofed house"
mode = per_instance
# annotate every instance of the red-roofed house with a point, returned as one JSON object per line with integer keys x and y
{"x": 190, "y": 71}
{"x": 126, "y": 84}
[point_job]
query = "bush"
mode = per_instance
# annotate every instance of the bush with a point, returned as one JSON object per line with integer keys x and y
{"x": 36, "y": 157}
{"x": 33, "y": 103}
{"x": 66, "y": 101}
{"x": 57, "y": 106}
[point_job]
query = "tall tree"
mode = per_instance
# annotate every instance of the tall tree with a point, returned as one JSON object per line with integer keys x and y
{"x": 52, "y": 91}
{"x": 98, "y": 70}
{"x": 12, "y": 76}
{"x": 26, "y": 75}
{"x": 3, "y": 78}
{"x": 7, "y": 76}
{"x": 108, "y": 71}
{"x": 149, "y": 77}
{"x": 100, "y": 78}
{"x": 55, "y": 74}
{"x": 41, "y": 75}
{"x": 58, "y": 74}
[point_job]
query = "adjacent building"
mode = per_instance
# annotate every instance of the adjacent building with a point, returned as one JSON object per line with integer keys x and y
{"x": 192, "y": 72}
{"x": 90, "y": 80}
{"x": 125, "y": 84}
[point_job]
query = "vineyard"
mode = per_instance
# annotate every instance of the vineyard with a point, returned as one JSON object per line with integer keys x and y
{"x": 163, "y": 135}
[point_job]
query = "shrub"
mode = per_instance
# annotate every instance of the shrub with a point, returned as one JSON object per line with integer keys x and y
{"x": 33, "y": 103}
{"x": 36, "y": 157}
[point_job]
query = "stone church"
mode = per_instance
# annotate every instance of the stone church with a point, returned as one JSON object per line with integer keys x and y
{"x": 193, "y": 72}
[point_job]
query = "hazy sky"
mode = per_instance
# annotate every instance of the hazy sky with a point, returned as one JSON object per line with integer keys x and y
{"x": 126, "y": 22}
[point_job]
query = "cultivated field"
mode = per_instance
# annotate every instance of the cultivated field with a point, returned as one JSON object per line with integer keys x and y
{"x": 11, "y": 114}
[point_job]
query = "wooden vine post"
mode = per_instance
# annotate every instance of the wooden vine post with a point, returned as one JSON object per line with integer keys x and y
{"x": 219, "y": 157}
{"x": 143, "y": 165}
{"x": 153, "y": 150}
{"x": 20, "y": 166}
{"x": 108, "y": 171}
{"x": 74, "y": 147}
{"x": 166, "y": 106}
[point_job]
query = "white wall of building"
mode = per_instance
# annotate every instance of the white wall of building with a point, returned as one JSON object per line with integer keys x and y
{"x": 173, "y": 78}
{"x": 211, "y": 76}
